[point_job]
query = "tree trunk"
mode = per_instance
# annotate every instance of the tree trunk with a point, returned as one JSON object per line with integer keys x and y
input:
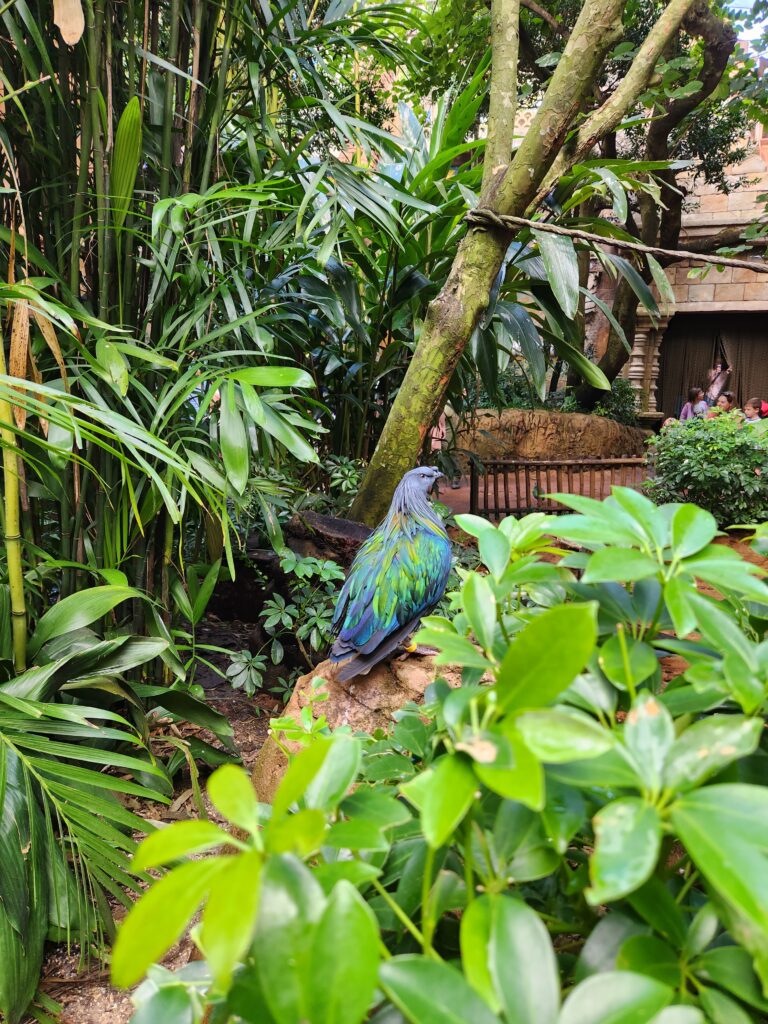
{"x": 453, "y": 315}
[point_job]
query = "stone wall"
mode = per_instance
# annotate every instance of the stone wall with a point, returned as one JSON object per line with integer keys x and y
{"x": 540, "y": 434}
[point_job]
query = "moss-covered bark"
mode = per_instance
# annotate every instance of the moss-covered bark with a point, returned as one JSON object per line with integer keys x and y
{"x": 452, "y": 316}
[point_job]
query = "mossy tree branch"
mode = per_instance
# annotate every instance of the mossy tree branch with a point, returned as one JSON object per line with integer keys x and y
{"x": 454, "y": 313}
{"x": 505, "y": 39}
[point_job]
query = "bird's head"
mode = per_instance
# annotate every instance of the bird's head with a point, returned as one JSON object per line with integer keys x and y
{"x": 420, "y": 480}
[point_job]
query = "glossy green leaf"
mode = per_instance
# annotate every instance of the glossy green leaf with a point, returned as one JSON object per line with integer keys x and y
{"x": 233, "y": 795}
{"x": 679, "y": 1015}
{"x": 78, "y": 610}
{"x": 619, "y": 997}
{"x": 301, "y": 770}
{"x": 646, "y": 954}
{"x": 180, "y": 839}
{"x": 692, "y": 530}
{"x": 564, "y": 814}
{"x": 343, "y": 960}
{"x": 356, "y": 834}
{"x": 557, "y": 735}
{"x": 545, "y": 656}
{"x": 621, "y": 564}
{"x": 290, "y": 908}
{"x": 159, "y": 918}
{"x": 599, "y": 953}
{"x": 730, "y": 967}
{"x": 627, "y": 842}
{"x": 495, "y": 550}
{"x": 479, "y": 604}
{"x": 497, "y": 931}
{"x": 125, "y": 160}
{"x": 429, "y": 992}
{"x": 709, "y": 745}
{"x": 446, "y": 796}
{"x": 627, "y": 662}
{"x": 229, "y": 917}
{"x": 725, "y": 830}
{"x": 649, "y": 733}
{"x": 273, "y": 377}
{"x": 234, "y": 441}
{"x": 335, "y": 775}
{"x": 521, "y": 777}
{"x": 721, "y": 1009}
{"x": 562, "y": 266}
{"x": 171, "y": 1004}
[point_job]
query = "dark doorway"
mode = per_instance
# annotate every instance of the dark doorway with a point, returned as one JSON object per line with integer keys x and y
{"x": 692, "y": 344}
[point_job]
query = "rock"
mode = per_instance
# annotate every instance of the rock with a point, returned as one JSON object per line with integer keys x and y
{"x": 541, "y": 434}
{"x": 365, "y": 704}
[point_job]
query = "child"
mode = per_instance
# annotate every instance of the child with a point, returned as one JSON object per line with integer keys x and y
{"x": 695, "y": 406}
{"x": 752, "y": 410}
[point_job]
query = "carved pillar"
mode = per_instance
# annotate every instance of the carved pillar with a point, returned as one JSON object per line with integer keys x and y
{"x": 642, "y": 370}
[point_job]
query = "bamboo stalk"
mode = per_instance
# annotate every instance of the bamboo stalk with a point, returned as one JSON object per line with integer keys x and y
{"x": 99, "y": 173}
{"x": 168, "y": 104}
{"x": 12, "y": 532}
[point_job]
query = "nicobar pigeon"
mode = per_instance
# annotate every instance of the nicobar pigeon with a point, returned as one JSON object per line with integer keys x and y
{"x": 398, "y": 575}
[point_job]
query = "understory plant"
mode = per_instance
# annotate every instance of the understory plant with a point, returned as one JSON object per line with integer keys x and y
{"x": 575, "y": 835}
{"x": 720, "y": 464}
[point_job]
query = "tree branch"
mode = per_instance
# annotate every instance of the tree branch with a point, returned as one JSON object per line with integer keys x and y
{"x": 542, "y": 13}
{"x": 608, "y": 116}
{"x": 505, "y": 21}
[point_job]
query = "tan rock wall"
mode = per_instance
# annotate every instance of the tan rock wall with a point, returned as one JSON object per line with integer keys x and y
{"x": 540, "y": 434}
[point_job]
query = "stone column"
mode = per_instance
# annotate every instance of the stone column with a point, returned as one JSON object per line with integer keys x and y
{"x": 642, "y": 370}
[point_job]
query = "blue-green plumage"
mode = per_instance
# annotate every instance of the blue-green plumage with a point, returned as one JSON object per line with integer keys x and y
{"x": 399, "y": 575}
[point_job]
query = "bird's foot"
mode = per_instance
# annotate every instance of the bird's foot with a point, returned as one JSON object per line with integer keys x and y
{"x": 420, "y": 649}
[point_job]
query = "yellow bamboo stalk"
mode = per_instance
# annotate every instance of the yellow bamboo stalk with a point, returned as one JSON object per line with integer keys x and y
{"x": 13, "y": 544}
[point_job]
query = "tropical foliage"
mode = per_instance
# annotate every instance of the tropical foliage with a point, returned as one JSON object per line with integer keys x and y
{"x": 576, "y": 834}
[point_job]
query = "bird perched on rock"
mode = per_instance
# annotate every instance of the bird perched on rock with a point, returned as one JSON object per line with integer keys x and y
{"x": 398, "y": 575}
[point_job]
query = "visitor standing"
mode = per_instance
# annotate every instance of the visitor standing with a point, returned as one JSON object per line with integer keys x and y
{"x": 717, "y": 378}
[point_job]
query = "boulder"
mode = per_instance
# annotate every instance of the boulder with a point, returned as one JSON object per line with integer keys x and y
{"x": 541, "y": 434}
{"x": 365, "y": 704}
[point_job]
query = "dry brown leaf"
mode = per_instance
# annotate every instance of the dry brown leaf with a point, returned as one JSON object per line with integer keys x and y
{"x": 69, "y": 18}
{"x": 47, "y": 331}
{"x": 37, "y": 377}
{"x": 17, "y": 362}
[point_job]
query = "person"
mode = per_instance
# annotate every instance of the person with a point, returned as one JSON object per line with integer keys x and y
{"x": 752, "y": 410}
{"x": 695, "y": 406}
{"x": 717, "y": 378}
{"x": 725, "y": 403}
{"x": 438, "y": 433}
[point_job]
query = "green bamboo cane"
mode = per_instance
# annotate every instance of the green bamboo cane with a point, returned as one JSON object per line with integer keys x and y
{"x": 168, "y": 104}
{"x": 92, "y": 26}
{"x": 13, "y": 546}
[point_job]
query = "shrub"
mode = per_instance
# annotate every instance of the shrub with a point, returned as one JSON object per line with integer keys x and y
{"x": 620, "y": 404}
{"x": 719, "y": 464}
{"x": 566, "y": 837}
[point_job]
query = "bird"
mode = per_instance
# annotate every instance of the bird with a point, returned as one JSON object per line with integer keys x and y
{"x": 398, "y": 575}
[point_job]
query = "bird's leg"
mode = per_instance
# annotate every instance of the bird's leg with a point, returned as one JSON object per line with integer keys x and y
{"x": 413, "y": 648}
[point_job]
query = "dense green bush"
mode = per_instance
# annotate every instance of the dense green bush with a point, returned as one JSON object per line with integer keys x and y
{"x": 565, "y": 838}
{"x": 719, "y": 464}
{"x": 620, "y": 404}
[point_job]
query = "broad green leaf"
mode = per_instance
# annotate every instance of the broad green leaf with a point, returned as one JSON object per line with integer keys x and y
{"x": 558, "y": 735}
{"x": 522, "y": 778}
{"x": 721, "y": 1009}
{"x": 229, "y": 917}
{"x": 171, "y": 1004}
{"x": 627, "y": 662}
{"x": 445, "y": 798}
{"x": 649, "y": 733}
{"x": 620, "y": 564}
{"x": 301, "y": 770}
{"x": 563, "y": 815}
{"x": 78, "y": 610}
{"x": 709, "y": 745}
{"x": 156, "y": 922}
{"x": 660, "y": 279}
{"x": 336, "y": 774}
{"x": 692, "y": 530}
{"x": 497, "y": 931}
{"x": 290, "y": 906}
{"x": 627, "y": 842}
{"x": 679, "y": 1015}
{"x": 545, "y": 656}
{"x": 344, "y": 959}
{"x": 562, "y": 266}
{"x": 655, "y": 904}
{"x": 619, "y": 997}
{"x": 233, "y": 440}
{"x": 301, "y": 833}
{"x": 180, "y": 839}
{"x": 725, "y": 831}
{"x": 599, "y": 952}
{"x": 646, "y": 954}
{"x": 382, "y": 810}
{"x": 430, "y": 992}
{"x": 233, "y": 795}
{"x": 578, "y": 361}
{"x": 676, "y": 593}
{"x": 730, "y": 967}
{"x": 356, "y": 834}
{"x": 495, "y": 550}
{"x": 480, "y": 608}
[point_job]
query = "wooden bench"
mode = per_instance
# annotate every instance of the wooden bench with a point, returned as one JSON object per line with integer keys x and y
{"x": 517, "y": 486}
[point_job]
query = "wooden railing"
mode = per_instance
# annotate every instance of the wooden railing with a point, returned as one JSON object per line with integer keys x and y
{"x": 516, "y": 487}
